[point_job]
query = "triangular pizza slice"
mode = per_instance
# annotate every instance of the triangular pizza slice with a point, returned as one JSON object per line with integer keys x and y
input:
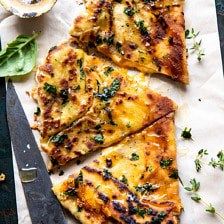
{"x": 148, "y": 35}
{"x": 64, "y": 92}
{"x": 134, "y": 181}
{"x": 120, "y": 103}
{"x": 86, "y": 103}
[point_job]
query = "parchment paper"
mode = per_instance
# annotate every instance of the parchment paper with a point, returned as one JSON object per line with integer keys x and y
{"x": 205, "y": 117}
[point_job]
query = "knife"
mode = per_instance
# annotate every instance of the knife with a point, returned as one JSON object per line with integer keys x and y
{"x": 42, "y": 204}
{"x": 8, "y": 210}
{"x": 220, "y": 19}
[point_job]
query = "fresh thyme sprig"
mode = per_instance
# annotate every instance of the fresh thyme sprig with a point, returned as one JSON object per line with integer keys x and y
{"x": 219, "y": 162}
{"x": 193, "y": 188}
{"x": 196, "y": 47}
{"x": 198, "y": 160}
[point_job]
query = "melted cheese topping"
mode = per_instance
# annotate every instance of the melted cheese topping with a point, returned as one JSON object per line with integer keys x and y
{"x": 146, "y": 35}
{"x": 119, "y": 104}
{"x": 131, "y": 182}
{"x": 69, "y": 94}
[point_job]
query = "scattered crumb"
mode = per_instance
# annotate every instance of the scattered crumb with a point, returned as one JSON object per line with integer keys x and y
{"x": 50, "y": 172}
{"x": 2, "y": 177}
{"x": 79, "y": 2}
{"x": 61, "y": 173}
{"x": 34, "y": 126}
{"x": 199, "y": 99}
{"x": 78, "y": 161}
{"x": 28, "y": 93}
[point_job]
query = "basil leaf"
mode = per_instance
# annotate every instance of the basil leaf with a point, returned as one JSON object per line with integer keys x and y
{"x": 19, "y": 57}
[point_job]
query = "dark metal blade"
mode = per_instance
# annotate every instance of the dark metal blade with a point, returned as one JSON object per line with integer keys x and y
{"x": 42, "y": 204}
{"x": 8, "y": 210}
{"x": 220, "y": 19}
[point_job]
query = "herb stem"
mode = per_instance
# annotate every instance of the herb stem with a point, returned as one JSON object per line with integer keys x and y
{"x": 193, "y": 189}
{"x": 206, "y": 204}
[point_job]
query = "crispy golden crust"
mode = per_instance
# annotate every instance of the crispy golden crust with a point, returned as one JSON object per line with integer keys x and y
{"x": 120, "y": 104}
{"x": 136, "y": 34}
{"x": 113, "y": 185}
{"x": 72, "y": 93}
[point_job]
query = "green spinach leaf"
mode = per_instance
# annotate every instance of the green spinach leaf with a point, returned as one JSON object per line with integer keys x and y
{"x": 19, "y": 57}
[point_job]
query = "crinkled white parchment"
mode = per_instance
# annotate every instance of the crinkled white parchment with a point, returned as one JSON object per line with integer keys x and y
{"x": 205, "y": 117}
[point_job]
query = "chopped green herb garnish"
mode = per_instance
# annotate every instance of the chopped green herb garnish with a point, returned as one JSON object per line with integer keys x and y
{"x": 149, "y": 1}
{"x": 99, "y": 138}
{"x": 76, "y": 88}
{"x": 64, "y": 95}
{"x": 142, "y": 211}
{"x": 108, "y": 70}
{"x": 124, "y": 179}
{"x": 79, "y": 209}
{"x": 98, "y": 127}
{"x": 59, "y": 138}
{"x": 37, "y": 112}
{"x": 164, "y": 163}
{"x": 79, "y": 179}
{"x": 110, "y": 116}
{"x": 186, "y": 133}
{"x": 118, "y": 47}
{"x": 197, "y": 161}
{"x": 109, "y": 40}
{"x": 80, "y": 64}
{"x": 143, "y": 30}
{"x": 98, "y": 40}
{"x": 146, "y": 188}
{"x": 149, "y": 168}
{"x": 70, "y": 192}
{"x": 109, "y": 92}
{"x": 134, "y": 157}
{"x": 129, "y": 11}
{"x": 106, "y": 174}
{"x": 158, "y": 218}
{"x": 50, "y": 88}
{"x": 128, "y": 125}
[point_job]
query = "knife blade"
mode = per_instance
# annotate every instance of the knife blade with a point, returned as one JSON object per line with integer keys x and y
{"x": 8, "y": 209}
{"x": 42, "y": 204}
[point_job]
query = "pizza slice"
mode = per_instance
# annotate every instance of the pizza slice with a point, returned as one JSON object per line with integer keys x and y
{"x": 147, "y": 35}
{"x": 134, "y": 181}
{"x": 109, "y": 104}
{"x": 64, "y": 91}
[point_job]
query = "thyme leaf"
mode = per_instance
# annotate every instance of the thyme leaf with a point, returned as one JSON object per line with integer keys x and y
{"x": 198, "y": 160}
{"x": 196, "y": 47}
{"x": 219, "y": 162}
